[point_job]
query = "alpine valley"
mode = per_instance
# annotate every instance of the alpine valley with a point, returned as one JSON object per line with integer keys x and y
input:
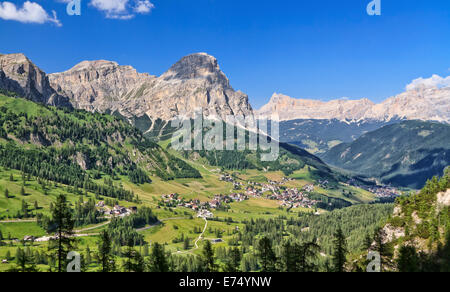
{"x": 86, "y": 164}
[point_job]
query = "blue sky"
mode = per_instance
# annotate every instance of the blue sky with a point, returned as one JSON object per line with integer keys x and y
{"x": 303, "y": 48}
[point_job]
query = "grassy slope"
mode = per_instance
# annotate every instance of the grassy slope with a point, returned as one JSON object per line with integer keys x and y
{"x": 203, "y": 189}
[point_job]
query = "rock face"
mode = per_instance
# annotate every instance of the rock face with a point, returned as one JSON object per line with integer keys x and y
{"x": 196, "y": 81}
{"x": 18, "y": 74}
{"x": 99, "y": 85}
{"x": 431, "y": 104}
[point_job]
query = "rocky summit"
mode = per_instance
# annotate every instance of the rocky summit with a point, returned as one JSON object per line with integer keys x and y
{"x": 194, "y": 82}
{"x": 424, "y": 103}
{"x": 19, "y": 75}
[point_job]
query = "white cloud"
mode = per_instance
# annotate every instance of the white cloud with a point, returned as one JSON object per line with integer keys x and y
{"x": 30, "y": 12}
{"x": 123, "y": 9}
{"x": 143, "y": 6}
{"x": 433, "y": 81}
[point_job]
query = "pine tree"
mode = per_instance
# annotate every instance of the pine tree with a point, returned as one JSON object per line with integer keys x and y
{"x": 64, "y": 242}
{"x": 367, "y": 243}
{"x": 22, "y": 191}
{"x": 8, "y": 255}
{"x": 25, "y": 262}
{"x": 288, "y": 257}
{"x": 134, "y": 261}
{"x": 340, "y": 251}
{"x": 380, "y": 246}
{"x": 24, "y": 208}
{"x": 105, "y": 256}
{"x": 208, "y": 257}
{"x": 158, "y": 261}
{"x": 305, "y": 254}
{"x": 6, "y": 193}
{"x": 234, "y": 261}
{"x": 408, "y": 260}
{"x": 88, "y": 258}
{"x": 266, "y": 255}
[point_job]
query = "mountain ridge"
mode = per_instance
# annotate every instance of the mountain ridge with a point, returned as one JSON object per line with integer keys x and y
{"x": 420, "y": 103}
{"x": 195, "y": 81}
{"x": 404, "y": 154}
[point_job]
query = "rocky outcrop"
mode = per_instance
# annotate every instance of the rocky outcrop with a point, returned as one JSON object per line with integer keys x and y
{"x": 18, "y": 74}
{"x": 194, "y": 82}
{"x": 421, "y": 103}
{"x": 99, "y": 85}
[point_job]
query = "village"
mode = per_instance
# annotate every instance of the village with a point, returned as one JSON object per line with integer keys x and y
{"x": 272, "y": 190}
{"x": 116, "y": 211}
{"x": 381, "y": 191}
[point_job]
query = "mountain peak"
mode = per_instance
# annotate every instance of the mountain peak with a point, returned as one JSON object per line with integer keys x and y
{"x": 97, "y": 64}
{"x": 199, "y": 65}
{"x": 20, "y": 75}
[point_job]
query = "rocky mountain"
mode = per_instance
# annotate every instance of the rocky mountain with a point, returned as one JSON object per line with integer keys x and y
{"x": 19, "y": 75}
{"x": 196, "y": 81}
{"x": 403, "y": 154}
{"x": 418, "y": 103}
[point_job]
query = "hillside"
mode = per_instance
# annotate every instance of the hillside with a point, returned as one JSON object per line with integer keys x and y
{"x": 319, "y": 136}
{"x": 405, "y": 154}
{"x": 419, "y": 229}
{"x": 74, "y": 146}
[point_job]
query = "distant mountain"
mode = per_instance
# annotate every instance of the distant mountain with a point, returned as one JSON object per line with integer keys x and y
{"x": 403, "y": 154}
{"x": 19, "y": 75}
{"x": 418, "y": 103}
{"x": 318, "y": 136}
{"x": 318, "y": 126}
{"x": 196, "y": 81}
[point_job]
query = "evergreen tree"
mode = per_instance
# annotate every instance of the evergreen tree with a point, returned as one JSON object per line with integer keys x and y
{"x": 134, "y": 261}
{"x": 158, "y": 261}
{"x": 408, "y": 260}
{"x": 266, "y": 255}
{"x": 24, "y": 208}
{"x": 88, "y": 258}
{"x": 306, "y": 254}
{"x": 380, "y": 246}
{"x": 234, "y": 261}
{"x": 340, "y": 251}
{"x": 287, "y": 257}
{"x": 8, "y": 255}
{"x": 208, "y": 257}
{"x": 25, "y": 262}
{"x": 6, "y": 193}
{"x": 105, "y": 256}
{"x": 186, "y": 243}
{"x": 64, "y": 242}
{"x": 367, "y": 242}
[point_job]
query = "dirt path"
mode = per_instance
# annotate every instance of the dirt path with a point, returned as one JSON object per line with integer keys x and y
{"x": 19, "y": 221}
{"x": 93, "y": 227}
{"x": 196, "y": 242}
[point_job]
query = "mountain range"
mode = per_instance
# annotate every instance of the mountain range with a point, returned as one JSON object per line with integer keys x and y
{"x": 419, "y": 103}
{"x": 326, "y": 129}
